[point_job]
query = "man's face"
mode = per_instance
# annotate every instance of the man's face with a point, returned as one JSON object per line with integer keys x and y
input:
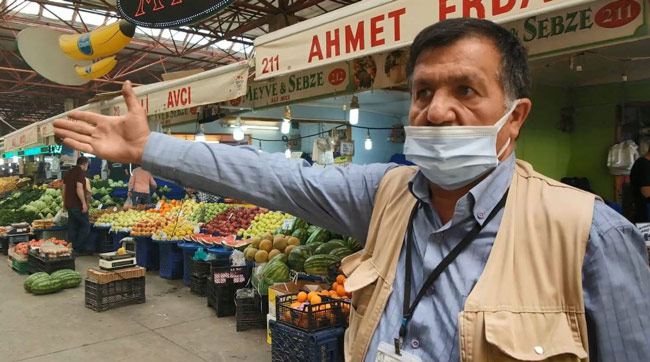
{"x": 458, "y": 85}
{"x": 84, "y": 167}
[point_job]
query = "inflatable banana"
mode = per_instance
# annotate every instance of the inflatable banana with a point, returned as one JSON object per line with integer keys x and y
{"x": 101, "y": 42}
{"x": 97, "y": 69}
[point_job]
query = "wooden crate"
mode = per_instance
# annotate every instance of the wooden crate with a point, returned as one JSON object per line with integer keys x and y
{"x": 106, "y": 276}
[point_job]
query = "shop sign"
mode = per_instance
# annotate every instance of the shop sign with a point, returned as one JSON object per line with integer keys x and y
{"x": 581, "y": 26}
{"x": 169, "y": 13}
{"x": 369, "y": 27}
{"x": 20, "y": 139}
{"x": 321, "y": 82}
{"x": 174, "y": 117}
{"x": 192, "y": 91}
{"x": 379, "y": 71}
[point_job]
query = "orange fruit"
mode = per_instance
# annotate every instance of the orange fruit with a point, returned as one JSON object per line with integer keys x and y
{"x": 296, "y": 305}
{"x": 341, "y": 291}
{"x": 311, "y": 295}
{"x": 325, "y": 293}
{"x": 333, "y": 293}
{"x": 340, "y": 279}
{"x": 335, "y": 286}
{"x": 302, "y": 297}
{"x": 316, "y": 299}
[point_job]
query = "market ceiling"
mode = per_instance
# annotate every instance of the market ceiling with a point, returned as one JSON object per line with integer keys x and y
{"x": 220, "y": 39}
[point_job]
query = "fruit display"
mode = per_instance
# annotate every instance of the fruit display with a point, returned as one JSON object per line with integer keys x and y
{"x": 4, "y": 229}
{"x": 122, "y": 221}
{"x": 10, "y": 183}
{"x": 14, "y": 208}
{"x": 177, "y": 228}
{"x": 53, "y": 248}
{"x": 47, "y": 205}
{"x": 117, "y": 184}
{"x": 148, "y": 225}
{"x": 264, "y": 248}
{"x": 42, "y": 283}
{"x": 95, "y": 214}
{"x": 232, "y": 220}
{"x": 312, "y": 310}
{"x": 207, "y": 211}
{"x": 43, "y": 224}
{"x": 263, "y": 223}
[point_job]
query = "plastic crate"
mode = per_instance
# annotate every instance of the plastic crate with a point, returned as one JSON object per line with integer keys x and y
{"x": 290, "y": 344}
{"x": 199, "y": 285}
{"x": 222, "y": 298}
{"x": 4, "y": 243}
{"x": 38, "y": 263}
{"x": 188, "y": 253}
{"x": 171, "y": 261}
{"x": 314, "y": 317}
{"x": 21, "y": 267}
{"x": 104, "y": 241}
{"x": 249, "y": 310}
{"x": 147, "y": 253}
{"x": 117, "y": 238}
{"x": 221, "y": 275}
{"x": 100, "y": 297}
{"x": 199, "y": 268}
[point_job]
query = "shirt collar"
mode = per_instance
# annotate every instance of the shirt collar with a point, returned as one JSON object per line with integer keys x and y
{"x": 485, "y": 195}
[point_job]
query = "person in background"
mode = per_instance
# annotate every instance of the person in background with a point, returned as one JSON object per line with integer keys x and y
{"x": 89, "y": 194}
{"x": 74, "y": 200}
{"x": 139, "y": 187}
{"x": 640, "y": 182}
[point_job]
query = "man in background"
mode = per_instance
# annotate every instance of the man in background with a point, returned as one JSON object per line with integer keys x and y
{"x": 74, "y": 200}
{"x": 640, "y": 181}
{"x": 139, "y": 186}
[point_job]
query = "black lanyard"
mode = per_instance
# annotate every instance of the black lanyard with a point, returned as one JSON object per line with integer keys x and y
{"x": 408, "y": 308}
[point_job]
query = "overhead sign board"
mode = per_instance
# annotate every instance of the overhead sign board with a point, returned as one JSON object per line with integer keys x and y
{"x": 583, "y": 26}
{"x": 169, "y": 13}
{"x": 374, "y": 26}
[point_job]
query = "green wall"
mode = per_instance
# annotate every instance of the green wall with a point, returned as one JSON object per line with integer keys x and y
{"x": 584, "y": 151}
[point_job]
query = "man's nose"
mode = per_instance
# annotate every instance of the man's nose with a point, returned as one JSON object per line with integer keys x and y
{"x": 440, "y": 111}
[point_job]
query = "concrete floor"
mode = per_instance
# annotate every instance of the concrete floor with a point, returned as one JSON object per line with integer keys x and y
{"x": 173, "y": 325}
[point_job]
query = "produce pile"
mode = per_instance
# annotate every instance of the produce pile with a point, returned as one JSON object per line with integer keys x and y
{"x": 149, "y": 224}
{"x": 207, "y": 211}
{"x": 43, "y": 283}
{"x": 13, "y": 209}
{"x": 22, "y": 248}
{"x": 47, "y": 205}
{"x": 10, "y": 183}
{"x": 265, "y": 223}
{"x": 231, "y": 221}
{"x": 177, "y": 228}
{"x": 121, "y": 221}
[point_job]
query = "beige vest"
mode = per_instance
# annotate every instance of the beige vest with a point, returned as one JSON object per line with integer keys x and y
{"x": 526, "y": 306}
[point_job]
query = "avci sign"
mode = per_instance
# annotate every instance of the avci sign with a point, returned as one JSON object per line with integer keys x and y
{"x": 169, "y": 13}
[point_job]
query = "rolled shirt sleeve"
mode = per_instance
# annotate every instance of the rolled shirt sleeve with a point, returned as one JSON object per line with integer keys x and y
{"x": 337, "y": 198}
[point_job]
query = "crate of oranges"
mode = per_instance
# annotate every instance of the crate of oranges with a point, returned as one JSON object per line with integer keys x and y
{"x": 311, "y": 311}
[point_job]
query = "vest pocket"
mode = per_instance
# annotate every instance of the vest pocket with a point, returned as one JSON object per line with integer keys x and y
{"x": 544, "y": 336}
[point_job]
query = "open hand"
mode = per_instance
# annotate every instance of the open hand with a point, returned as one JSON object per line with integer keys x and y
{"x": 114, "y": 138}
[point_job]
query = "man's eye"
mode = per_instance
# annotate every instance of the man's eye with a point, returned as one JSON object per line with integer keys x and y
{"x": 423, "y": 93}
{"x": 465, "y": 90}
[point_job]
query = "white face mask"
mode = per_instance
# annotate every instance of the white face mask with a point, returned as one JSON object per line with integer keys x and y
{"x": 454, "y": 156}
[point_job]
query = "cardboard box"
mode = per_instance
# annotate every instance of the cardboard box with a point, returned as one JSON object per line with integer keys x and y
{"x": 280, "y": 289}
{"x": 269, "y": 318}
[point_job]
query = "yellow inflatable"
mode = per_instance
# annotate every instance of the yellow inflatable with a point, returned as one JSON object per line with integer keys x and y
{"x": 97, "y": 69}
{"x": 101, "y": 42}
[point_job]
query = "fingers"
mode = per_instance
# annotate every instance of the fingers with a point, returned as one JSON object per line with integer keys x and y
{"x": 76, "y": 127}
{"x": 88, "y": 117}
{"x": 68, "y": 134}
{"x": 76, "y": 145}
{"x": 132, "y": 103}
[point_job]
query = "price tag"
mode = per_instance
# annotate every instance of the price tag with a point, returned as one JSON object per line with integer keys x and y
{"x": 287, "y": 223}
{"x": 100, "y": 206}
{"x": 158, "y": 205}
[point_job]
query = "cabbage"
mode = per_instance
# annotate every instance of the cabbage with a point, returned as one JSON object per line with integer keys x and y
{"x": 31, "y": 209}
{"x": 39, "y": 205}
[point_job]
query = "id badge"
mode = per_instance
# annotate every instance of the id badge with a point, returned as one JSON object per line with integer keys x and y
{"x": 386, "y": 353}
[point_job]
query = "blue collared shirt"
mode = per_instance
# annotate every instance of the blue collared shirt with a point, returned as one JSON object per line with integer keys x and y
{"x": 616, "y": 277}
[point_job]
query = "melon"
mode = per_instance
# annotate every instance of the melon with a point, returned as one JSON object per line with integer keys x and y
{"x": 261, "y": 256}
{"x": 280, "y": 244}
{"x": 266, "y": 245}
{"x": 274, "y": 253}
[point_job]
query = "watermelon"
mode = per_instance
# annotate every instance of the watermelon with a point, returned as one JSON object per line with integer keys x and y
{"x": 341, "y": 252}
{"x": 70, "y": 280}
{"x": 336, "y": 236}
{"x": 314, "y": 246}
{"x": 319, "y": 264}
{"x": 46, "y": 285}
{"x": 311, "y": 229}
{"x": 301, "y": 234}
{"x": 353, "y": 244}
{"x": 30, "y": 279}
{"x": 329, "y": 246}
{"x": 282, "y": 258}
{"x": 300, "y": 224}
{"x": 62, "y": 272}
{"x": 320, "y": 235}
{"x": 297, "y": 257}
{"x": 276, "y": 271}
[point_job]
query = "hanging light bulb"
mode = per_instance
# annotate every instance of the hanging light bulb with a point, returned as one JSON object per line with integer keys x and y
{"x": 260, "y": 148}
{"x": 368, "y": 143}
{"x": 2, "y": 161}
{"x": 287, "y": 152}
{"x": 238, "y": 131}
{"x": 200, "y": 136}
{"x": 354, "y": 110}
{"x": 286, "y": 121}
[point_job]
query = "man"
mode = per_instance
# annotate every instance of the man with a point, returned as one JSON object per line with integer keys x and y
{"x": 139, "y": 186}
{"x": 640, "y": 182}
{"x": 118, "y": 171}
{"x": 75, "y": 201}
{"x": 546, "y": 273}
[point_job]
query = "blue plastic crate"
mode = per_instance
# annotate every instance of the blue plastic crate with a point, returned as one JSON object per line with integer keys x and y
{"x": 147, "y": 252}
{"x": 104, "y": 241}
{"x": 290, "y": 344}
{"x": 188, "y": 253}
{"x": 220, "y": 252}
{"x": 117, "y": 238}
{"x": 171, "y": 260}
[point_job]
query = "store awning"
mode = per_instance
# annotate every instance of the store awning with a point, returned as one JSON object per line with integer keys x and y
{"x": 373, "y": 26}
{"x": 212, "y": 86}
{"x": 22, "y": 138}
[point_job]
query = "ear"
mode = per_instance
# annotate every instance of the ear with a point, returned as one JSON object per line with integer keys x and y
{"x": 518, "y": 117}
